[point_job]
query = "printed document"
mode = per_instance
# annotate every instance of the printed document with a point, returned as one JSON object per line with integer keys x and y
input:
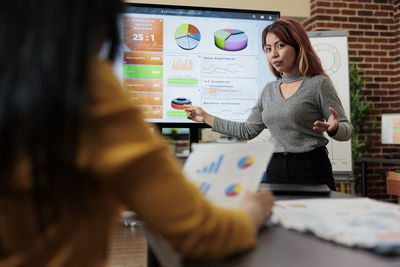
{"x": 224, "y": 172}
{"x": 359, "y": 222}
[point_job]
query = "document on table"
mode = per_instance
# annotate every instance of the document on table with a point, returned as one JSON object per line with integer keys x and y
{"x": 224, "y": 171}
{"x": 359, "y": 222}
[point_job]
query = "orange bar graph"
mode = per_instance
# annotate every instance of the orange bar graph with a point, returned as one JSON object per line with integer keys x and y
{"x": 143, "y": 58}
{"x": 144, "y": 98}
{"x": 145, "y": 85}
{"x": 151, "y": 112}
{"x": 143, "y": 34}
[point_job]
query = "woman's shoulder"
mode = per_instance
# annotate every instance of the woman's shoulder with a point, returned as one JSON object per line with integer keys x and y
{"x": 318, "y": 81}
{"x": 268, "y": 88}
{"x": 274, "y": 81}
{"x": 318, "y": 78}
{"x": 272, "y": 84}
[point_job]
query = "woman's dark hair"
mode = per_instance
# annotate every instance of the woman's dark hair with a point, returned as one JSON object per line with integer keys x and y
{"x": 45, "y": 52}
{"x": 291, "y": 32}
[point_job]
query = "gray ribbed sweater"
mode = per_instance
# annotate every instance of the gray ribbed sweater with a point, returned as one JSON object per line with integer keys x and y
{"x": 291, "y": 120}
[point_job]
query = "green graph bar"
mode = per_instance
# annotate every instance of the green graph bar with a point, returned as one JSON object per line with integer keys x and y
{"x": 182, "y": 81}
{"x": 176, "y": 114}
{"x": 142, "y": 71}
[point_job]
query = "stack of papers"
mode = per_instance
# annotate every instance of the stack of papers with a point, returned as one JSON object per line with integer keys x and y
{"x": 360, "y": 222}
{"x": 223, "y": 172}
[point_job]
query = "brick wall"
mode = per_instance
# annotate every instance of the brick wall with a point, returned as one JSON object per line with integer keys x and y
{"x": 374, "y": 45}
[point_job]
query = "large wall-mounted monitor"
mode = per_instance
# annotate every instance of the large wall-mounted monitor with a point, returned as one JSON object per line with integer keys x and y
{"x": 209, "y": 57}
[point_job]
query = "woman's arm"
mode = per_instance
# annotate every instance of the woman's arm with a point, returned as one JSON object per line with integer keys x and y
{"x": 137, "y": 169}
{"x": 196, "y": 113}
{"x": 337, "y": 124}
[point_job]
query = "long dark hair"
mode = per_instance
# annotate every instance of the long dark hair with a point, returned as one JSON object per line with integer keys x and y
{"x": 45, "y": 50}
{"x": 291, "y": 32}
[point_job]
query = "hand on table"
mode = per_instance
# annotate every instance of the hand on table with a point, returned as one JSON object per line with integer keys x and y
{"x": 258, "y": 205}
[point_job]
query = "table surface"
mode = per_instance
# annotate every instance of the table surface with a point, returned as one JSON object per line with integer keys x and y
{"x": 127, "y": 248}
{"x": 281, "y": 247}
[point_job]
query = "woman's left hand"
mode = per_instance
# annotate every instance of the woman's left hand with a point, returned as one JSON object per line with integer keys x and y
{"x": 330, "y": 126}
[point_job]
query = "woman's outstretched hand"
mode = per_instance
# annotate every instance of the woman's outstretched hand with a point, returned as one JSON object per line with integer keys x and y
{"x": 258, "y": 205}
{"x": 196, "y": 113}
{"x": 330, "y": 126}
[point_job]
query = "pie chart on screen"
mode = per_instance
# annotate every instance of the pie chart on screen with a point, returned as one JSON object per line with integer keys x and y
{"x": 233, "y": 190}
{"x": 245, "y": 162}
{"x": 187, "y": 36}
{"x": 230, "y": 39}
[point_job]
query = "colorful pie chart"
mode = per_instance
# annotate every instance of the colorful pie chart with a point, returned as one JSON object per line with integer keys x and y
{"x": 233, "y": 190}
{"x": 245, "y": 162}
{"x": 230, "y": 39}
{"x": 187, "y": 36}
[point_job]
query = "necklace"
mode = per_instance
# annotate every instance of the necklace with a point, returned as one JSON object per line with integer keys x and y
{"x": 293, "y": 77}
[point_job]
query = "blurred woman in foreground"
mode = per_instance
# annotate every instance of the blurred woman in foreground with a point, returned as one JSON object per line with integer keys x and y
{"x": 75, "y": 152}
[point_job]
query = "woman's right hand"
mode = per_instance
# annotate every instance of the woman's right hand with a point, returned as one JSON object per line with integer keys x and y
{"x": 196, "y": 113}
{"x": 258, "y": 205}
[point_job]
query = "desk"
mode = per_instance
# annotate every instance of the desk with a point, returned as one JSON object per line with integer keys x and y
{"x": 281, "y": 247}
{"x": 364, "y": 161}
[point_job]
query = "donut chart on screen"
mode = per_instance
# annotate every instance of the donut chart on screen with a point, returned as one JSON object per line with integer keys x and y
{"x": 179, "y": 102}
{"x": 230, "y": 39}
{"x": 187, "y": 36}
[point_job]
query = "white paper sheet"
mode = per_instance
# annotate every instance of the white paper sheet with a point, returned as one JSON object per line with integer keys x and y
{"x": 224, "y": 171}
{"x": 360, "y": 222}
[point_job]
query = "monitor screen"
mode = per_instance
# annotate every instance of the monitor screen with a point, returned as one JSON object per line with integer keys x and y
{"x": 213, "y": 58}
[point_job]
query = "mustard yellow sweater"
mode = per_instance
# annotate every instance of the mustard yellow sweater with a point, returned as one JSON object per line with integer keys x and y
{"x": 134, "y": 170}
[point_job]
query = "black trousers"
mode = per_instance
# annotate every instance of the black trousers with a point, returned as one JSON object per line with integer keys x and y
{"x": 313, "y": 167}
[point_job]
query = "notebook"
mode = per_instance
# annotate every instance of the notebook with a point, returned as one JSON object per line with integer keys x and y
{"x": 223, "y": 172}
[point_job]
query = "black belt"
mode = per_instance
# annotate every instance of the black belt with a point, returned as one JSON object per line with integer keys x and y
{"x": 320, "y": 151}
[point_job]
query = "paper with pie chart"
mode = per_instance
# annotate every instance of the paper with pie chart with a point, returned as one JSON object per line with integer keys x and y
{"x": 223, "y": 172}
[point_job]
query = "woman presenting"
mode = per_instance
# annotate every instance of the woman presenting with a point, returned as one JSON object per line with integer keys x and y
{"x": 297, "y": 108}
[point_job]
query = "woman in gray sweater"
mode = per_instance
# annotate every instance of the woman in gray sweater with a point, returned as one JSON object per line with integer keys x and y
{"x": 297, "y": 108}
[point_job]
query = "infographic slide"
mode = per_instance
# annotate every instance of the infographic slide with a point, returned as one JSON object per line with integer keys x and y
{"x": 168, "y": 61}
{"x": 223, "y": 172}
{"x": 229, "y": 88}
{"x": 202, "y": 35}
{"x": 187, "y": 36}
{"x": 230, "y": 39}
{"x": 234, "y": 110}
{"x": 176, "y": 98}
{"x": 391, "y": 128}
{"x": 230, "y": 66}
{"x": 142, "y": 68}
{"x": 181, "y": 69}
{"x": 143, "y": 34}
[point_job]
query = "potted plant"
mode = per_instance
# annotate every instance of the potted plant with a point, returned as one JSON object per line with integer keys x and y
{"x": 360, "y": 111}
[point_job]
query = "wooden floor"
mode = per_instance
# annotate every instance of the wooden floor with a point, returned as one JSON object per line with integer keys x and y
{"x": 128, "y": 248}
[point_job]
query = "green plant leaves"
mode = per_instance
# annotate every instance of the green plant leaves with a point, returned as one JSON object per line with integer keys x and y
{"x": 360, "y": 112}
